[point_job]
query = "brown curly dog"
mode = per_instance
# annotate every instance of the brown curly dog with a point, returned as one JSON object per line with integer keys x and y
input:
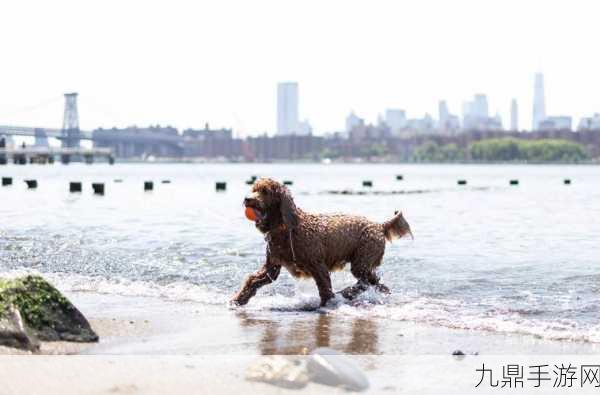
{"x": 313, "y": 245}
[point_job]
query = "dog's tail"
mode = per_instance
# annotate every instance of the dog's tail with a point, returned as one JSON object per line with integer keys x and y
{"x": 396, "y": 227}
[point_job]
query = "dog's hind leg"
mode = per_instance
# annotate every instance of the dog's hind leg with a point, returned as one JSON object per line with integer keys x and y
{"x": 363, "y": 267}
{"x": 353, "y": 291}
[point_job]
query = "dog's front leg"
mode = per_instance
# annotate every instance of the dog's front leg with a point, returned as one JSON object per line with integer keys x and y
{"x": 323, "y": 280}
{"x": 265, "y": 275}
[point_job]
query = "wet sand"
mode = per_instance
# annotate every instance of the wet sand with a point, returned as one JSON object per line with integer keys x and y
{"x": 141, "y": 325}
{"x": 154, "y": 346}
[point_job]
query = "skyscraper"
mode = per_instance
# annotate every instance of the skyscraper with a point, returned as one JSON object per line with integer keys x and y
{"x": 395, "y": 118}
{"x": 539, "y": 101}
{"x": 287, "y": 108}
{"x": 479, "y": 107}
{"x": 514, "y": 115}
{"x": 443, "y": 114}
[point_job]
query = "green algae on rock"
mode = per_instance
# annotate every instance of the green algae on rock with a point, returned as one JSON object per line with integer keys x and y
{"x": 46, "y": 313}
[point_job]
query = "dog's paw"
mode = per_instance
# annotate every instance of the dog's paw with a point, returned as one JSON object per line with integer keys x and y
{"x": 234, "y": 303}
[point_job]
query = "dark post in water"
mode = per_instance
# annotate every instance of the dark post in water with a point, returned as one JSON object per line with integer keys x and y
{"x": 74, "y": 187}
{"x": 98, "y": 188}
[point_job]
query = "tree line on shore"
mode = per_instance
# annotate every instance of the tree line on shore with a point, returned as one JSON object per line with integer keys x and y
{"x": 503, "y": 150}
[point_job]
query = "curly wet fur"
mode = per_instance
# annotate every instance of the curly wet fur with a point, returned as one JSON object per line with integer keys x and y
{"x": 313, "y": 245}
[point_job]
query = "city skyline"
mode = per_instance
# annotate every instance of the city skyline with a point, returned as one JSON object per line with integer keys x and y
{"x": 187, "y": 72}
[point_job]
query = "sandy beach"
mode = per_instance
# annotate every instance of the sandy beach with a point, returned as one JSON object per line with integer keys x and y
{"x": 155, "y": 346}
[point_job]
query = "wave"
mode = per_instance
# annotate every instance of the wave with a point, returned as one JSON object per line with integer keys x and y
{"x": 432, "y": 311}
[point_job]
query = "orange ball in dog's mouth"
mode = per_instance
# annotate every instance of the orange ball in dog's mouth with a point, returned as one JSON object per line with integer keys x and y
{"x": 250, "y": 213}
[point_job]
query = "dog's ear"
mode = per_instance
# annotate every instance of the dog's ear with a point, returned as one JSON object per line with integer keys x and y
{"x": 288, "y": 208}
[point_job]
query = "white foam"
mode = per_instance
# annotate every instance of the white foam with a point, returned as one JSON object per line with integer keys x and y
{"x": 413, "y": 308}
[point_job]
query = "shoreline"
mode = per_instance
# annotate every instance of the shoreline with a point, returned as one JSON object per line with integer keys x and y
{"x": 153, "y": 346}
{"x": 133, "y": 325}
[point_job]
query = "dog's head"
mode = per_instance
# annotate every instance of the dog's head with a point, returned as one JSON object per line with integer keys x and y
{"x": 272, "y": 204}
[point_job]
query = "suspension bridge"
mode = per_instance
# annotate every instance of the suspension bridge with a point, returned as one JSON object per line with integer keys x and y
{"x": 106, "y": 142}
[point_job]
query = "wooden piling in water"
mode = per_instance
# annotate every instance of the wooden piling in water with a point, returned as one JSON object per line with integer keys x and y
{"x": 98, "y": 188}
{"x": 74, "y": 187}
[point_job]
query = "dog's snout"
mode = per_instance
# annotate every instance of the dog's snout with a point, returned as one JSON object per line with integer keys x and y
{"x": 250, "y": 197}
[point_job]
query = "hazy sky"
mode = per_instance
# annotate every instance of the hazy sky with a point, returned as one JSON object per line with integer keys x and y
{"x": 185, "y": 63}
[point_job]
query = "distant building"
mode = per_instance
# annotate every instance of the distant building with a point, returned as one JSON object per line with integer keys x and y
{"x": 539, "y": 102}
{"x": 479, "y": 106}
{"x": 447, "y": 123}
{"x": 589, "y": 123}
{"x": 514, "y": 115}
{"x": 211, "y": 143}
{"x": 556, "y": 123}
{"x": 421, "y": 125}
{"x": 304, "y": 128}
{"x": 443, "y": 113}
{"x": 289, "y": 147}
{"x": 287, "y": 108}
{"x": 476, "y": 115}
{"x": 352, "y": 121}
{"x": 395, "y": 119}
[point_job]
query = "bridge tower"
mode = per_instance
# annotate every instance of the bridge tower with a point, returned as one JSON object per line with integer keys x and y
{"x": 70, "y": 132}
